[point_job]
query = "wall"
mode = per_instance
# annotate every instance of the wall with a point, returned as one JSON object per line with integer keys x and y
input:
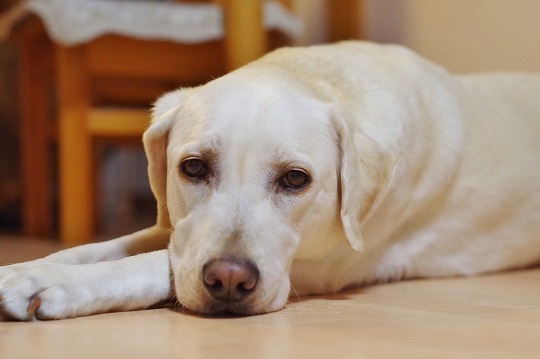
{"x": 463, "y": 35}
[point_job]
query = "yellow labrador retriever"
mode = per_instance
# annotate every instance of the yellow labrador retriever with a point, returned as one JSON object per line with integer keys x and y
{"x": 314, "y": 169}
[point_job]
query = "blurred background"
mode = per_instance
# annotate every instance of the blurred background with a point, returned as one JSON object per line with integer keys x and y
{"x": 67, "y": 67}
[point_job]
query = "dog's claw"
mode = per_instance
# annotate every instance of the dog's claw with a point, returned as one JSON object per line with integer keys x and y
{"x": 33, "y": 305}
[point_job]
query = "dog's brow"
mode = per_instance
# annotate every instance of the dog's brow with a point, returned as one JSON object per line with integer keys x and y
{"x": 283, "y": 161}
{"x": 209, "y": 155}
{"x": 206, "y": 149}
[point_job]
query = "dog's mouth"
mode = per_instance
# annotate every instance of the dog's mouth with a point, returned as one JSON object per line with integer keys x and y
{"x": 209, "y": 307}
{"x": 252, "y": 305}
{"x": 218, "y": 309}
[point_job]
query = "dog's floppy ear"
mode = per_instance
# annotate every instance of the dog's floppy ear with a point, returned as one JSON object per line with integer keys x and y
{"x": 366, "y": 173}
{"x": 155, "y": 145}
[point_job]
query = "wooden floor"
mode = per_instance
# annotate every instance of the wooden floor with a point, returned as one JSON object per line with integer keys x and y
{"x": 493, "y": 316}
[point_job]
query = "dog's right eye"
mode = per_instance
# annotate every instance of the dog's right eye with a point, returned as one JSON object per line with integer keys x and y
{"x": 295, "y": 179}
{"x": 193, "y": 168}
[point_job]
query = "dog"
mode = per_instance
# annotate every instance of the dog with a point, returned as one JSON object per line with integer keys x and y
{"x": 309, "y": 171}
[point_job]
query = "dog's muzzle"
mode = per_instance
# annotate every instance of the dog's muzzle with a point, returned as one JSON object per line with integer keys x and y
{"x": 230, "y": 280}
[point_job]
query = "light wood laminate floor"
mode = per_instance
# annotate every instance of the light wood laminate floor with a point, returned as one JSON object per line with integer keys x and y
{"x": 492, "y": 316}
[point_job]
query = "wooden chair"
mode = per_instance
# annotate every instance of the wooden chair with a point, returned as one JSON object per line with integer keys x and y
{"x": 111, "y": 70}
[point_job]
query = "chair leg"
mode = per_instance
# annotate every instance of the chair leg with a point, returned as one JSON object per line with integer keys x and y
{"x": 345, "y": 19}
{"x": 245, "y": 38}
{"x": 77, "y": 205}
{"x": 35, "y": 77}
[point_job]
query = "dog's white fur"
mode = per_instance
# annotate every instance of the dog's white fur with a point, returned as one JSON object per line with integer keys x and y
{"x": 414, "y": 173}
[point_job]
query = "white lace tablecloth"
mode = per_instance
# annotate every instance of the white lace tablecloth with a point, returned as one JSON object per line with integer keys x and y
{"x": 72, "y": 22}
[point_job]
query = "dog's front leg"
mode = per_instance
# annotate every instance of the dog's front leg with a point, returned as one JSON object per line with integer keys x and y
{"x": 143, "y": 241}
{"x": 56, "y": 291}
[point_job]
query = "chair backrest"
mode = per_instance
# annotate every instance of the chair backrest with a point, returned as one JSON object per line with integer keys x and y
{"x": 132, "y": 71}
{"x": 245, "y": 38}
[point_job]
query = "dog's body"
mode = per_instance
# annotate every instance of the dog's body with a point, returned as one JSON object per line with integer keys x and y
{"x": 269, "y": 175}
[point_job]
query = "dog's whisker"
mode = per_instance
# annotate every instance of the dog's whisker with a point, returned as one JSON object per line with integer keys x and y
{"x": 295, "y": 293}
{"x": 164, "y": 206}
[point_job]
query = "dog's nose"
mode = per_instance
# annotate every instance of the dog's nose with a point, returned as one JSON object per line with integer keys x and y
{"x": 230, "y": 280}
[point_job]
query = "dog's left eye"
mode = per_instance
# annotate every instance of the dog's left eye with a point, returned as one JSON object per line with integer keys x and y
{"x": 193, "y": 168}
{"x": 295, "y": 179}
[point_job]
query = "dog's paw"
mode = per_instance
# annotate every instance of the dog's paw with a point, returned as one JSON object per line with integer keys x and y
{"x": 37, "y": 291}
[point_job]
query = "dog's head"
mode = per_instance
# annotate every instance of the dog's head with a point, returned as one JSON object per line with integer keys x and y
{"x": 251, "y": 174}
